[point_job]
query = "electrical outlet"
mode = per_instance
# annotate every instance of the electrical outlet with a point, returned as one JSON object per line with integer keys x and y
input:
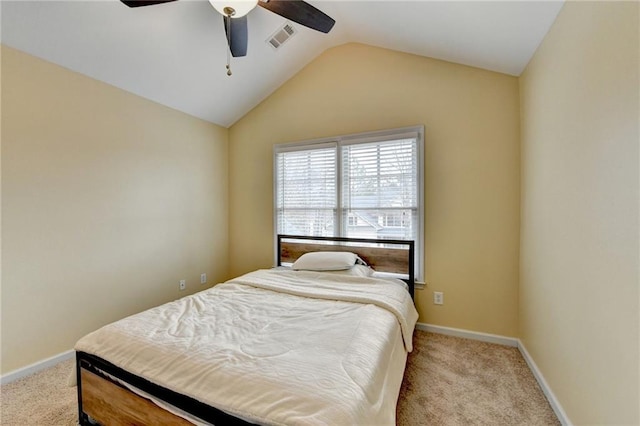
{"x": 438, "y": 298}
{"x": 203, "y": 278}
{"x": 182, "y": 285}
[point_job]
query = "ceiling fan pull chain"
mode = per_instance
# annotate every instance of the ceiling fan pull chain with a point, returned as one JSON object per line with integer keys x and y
{"x": 228, "y": 17}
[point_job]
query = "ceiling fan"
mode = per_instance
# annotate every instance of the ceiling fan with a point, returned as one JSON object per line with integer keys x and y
{"x": 235, "y": 12}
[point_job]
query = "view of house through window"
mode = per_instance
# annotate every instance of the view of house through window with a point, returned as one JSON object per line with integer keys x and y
{"x": 365, "y": 186}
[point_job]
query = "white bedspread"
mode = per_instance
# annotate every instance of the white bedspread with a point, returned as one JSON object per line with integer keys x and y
{"x": 275, "y": 347}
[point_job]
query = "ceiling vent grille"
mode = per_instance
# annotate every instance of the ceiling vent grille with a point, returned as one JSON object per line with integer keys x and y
{"x": 283, "y": 34}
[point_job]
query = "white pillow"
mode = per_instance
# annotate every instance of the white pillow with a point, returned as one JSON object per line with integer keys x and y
{"x": 325, "y": 261}
{"x": 355, "y": 270}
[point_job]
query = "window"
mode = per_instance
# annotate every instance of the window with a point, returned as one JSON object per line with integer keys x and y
{"x": 366, "y": 185}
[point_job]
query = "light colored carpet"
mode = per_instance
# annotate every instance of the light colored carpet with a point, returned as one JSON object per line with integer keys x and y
{"x": 448, "y": 381}
{"x": 41, "y": 399}
{"x": 451, "y": 381}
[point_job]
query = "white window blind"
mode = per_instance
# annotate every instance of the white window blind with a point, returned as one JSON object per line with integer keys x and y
{"x": 365, "y": 186}
{"x": 306, "y": 191}
{"x": 380, "y": 189}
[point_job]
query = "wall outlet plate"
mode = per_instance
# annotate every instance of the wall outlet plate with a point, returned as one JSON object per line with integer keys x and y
{"x": 203, "y": 278}
{"x": 438, "y": 298}
{"x": 182, "y": 285}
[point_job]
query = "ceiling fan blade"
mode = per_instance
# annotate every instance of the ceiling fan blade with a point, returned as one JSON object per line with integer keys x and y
{"x": 301, "y": 12}
{"x": 238, "y": 36}
{"x": 138, "y": 3}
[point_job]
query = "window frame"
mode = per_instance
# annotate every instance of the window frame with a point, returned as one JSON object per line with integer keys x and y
{"x": 416, "y": 132}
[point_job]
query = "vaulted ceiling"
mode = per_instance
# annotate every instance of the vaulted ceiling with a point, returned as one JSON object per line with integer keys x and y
{"x": 175, "y": 53}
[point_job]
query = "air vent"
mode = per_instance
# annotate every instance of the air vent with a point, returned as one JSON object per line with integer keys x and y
{"x": 283, "y": 34}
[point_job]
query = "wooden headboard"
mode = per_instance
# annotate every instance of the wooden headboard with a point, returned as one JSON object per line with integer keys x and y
{"x": 394, "y": 256}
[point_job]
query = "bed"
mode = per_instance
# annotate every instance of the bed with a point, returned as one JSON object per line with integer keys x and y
{"x": 294, "y": 344}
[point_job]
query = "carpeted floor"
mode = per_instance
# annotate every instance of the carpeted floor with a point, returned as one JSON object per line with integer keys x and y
{"x": 41, "y": 399}
{"x": 448, "y": 381}
{"x": 451, "y": 381}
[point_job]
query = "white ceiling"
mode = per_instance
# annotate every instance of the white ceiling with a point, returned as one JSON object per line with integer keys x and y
{"x": 175, "y": 53}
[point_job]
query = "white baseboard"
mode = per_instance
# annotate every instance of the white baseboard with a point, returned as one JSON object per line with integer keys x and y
{"x": 553, "y": 401}
{"x": 36, "y": 366}
{"x": 467, "y": 334}
{"x": 508, "y": 341}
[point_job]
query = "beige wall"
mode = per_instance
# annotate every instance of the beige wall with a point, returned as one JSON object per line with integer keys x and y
{"x": 107, "y": 201}
{"x": 472, "y": 169}
{"x": 579, "y": 278}
{"x": 0, "y": 205}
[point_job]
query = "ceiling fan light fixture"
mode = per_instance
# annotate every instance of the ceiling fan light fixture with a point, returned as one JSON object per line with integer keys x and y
{"x": 234, "y": 8}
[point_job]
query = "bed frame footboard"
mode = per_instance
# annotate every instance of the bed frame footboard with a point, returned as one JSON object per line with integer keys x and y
{"x": 104, "y": 401}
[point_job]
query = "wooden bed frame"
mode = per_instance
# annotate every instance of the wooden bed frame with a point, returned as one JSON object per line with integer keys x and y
{"x": 105, "y": 401}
